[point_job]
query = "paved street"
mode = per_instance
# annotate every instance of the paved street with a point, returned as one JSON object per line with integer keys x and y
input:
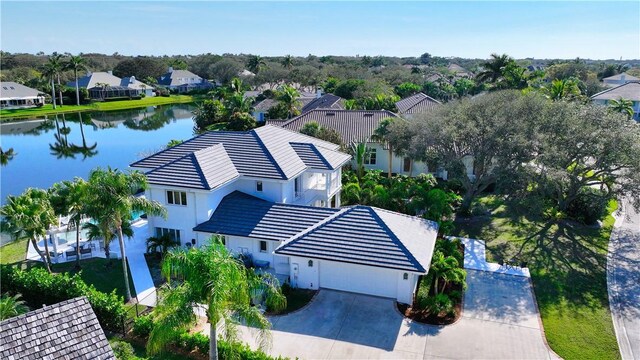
{"x": 499, "y": 321}
{"x": 624, "y": 281}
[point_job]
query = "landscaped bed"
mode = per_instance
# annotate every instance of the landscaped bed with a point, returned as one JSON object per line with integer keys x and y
{"x": 567, "y": 261}
{"x": 296, "y": 299}
{"x": 440, "y": 302}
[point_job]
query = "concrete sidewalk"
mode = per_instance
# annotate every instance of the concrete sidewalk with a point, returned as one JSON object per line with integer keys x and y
{"x": 623, "y": 280}
{"x": 142, "y": 280}
{"x": 475, "y": 259}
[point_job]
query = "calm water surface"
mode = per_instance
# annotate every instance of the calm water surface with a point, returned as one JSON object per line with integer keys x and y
{"x": 61, "y": 147}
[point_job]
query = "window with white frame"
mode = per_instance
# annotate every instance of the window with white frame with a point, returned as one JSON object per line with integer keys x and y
{"x": 176, "y": 197}
{"x": 370, "y": 157}
{"x": 174, "y": 234}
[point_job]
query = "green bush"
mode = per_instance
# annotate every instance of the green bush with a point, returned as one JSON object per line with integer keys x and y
{"x": 440, "y": 303}
{"x": 123, "y": 350}
{"x": 589, "y": 206}
{"x": 424, "y": 287}
{"x": 38, "y": 287}
{"x": 142, "y": 326}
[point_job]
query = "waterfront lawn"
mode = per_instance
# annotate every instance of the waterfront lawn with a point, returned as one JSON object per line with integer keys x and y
{"x": 96, "y": 106}
{"x": 568, "y": 268}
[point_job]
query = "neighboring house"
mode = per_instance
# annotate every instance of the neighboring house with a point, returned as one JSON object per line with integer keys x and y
{"x": 359, "y": 249}
{"x": 268, "y": 162}
{"x": 66, "y": 330}
{"x": 359, "y": 126}
{"x": 620, "y": 79}
{"x": 326, "y": 101}
{"x": 105, "y": 85}
{"x": 628, "y": 91}
{"x": 261, "y": 109}
{"x": 415, "y": 104}
{"x": 183, "y": 81}
{"x": 17, "y": 96}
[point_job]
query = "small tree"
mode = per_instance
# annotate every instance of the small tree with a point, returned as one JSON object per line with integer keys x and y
{"x": 11, "y": 306}
{"x": 162, "y": 243}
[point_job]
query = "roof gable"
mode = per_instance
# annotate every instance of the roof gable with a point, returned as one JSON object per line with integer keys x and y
{"x": 359, "y": 235}
{"x": 66, "y": 330}
{"x": 416, "y": 103}
{"x": 628, "y": 91}
{"x": 323, "y": 102}
{"x": 10, "y": 89}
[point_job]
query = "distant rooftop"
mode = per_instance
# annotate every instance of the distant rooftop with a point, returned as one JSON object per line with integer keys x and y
{"x": 628, "y": 91}
{"x": 13, "y": 90}
{"x": 417, "y": 103}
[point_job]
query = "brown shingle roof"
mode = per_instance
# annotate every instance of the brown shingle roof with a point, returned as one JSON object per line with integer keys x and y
{"x": 66, "y": 330}
{"x": 352, "y": 125}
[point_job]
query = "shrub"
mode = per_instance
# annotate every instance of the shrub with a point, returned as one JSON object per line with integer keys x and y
{"x": 38, "y": 287}
{"x": 589, "y": 206}
{"x": 286, "y": 288}
{"x": 143, "y": 325}
{"x": 123, "y": 350}
{"x": 439, "y": 304}
{"x": 424, "y": 287}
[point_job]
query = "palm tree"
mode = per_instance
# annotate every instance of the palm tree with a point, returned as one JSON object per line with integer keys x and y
{"x": 29, "y": 216}
{"x": 104, "y": 230}
{"x": 562, "y": 89}
{"x": 11, "y": 306}
{"x": 622, "y": 106}
{"x": 68, "y": 198}
{"x": 287, "y": 62}
{"x": 76, "y": 63}
{"x": 256, "y": 63}
{"x": 494, "y": 68}
{"x": 288, "y": 97}
{"x": 212, "y": 277}
{"x": 162, "y": 243}
{"x": 381, "y": 134}
{"x": 49, "y": 72}
{"x": 86, "y": 150}
{"x": 360, "y": 151}
{"x": 6, "y": 156}
{"x": 112, "y": 201}
{"x": 445, "y": 270}
{"x": 238, "y": 103}
{"x": 56, "y": 62}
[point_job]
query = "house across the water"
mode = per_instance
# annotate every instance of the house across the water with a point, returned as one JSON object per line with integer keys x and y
{"x": 106, "y": 86}
{"x": 18, "y": 96}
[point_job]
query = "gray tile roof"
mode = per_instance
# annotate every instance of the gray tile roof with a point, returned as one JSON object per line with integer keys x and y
{"x": 13, "y": 90}
{"x": 266, "y": 104}
{"x": 92, "y": 79}
{"x": 326, "y": 101}
{"x": 204, "y": 169}
{"x": 264, "y": 152}
{"x": 133, "y": 83}
{"x": 172, "y": 78}
{"x": 66, "y": 330}
{"x": 241, "y": 214}
{"x": 352, "y": 125}
{"x": 618, "y": 77}
{"x": 628, "y": 91}
{"x": 417, "y": 103}
{"x": 368, "y": 236}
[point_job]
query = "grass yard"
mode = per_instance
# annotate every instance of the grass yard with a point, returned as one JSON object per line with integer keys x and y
{"x": 568, "y": 268}
{"x": 97, "y": 106}
{"x": 13, "y": 252}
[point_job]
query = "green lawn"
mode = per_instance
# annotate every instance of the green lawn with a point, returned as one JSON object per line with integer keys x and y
{"x": 13, "y": 252}
{"x": 568, "y": 268}
{"x": 97, "y": 106}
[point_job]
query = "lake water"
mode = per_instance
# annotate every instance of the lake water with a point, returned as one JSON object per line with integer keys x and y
{"x": 48, "y": 150}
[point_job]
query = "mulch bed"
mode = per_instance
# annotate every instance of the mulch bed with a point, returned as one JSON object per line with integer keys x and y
{"x": 423, "y": 316}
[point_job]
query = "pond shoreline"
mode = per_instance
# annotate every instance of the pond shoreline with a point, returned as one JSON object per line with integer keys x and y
{"x": 16, "y": 115}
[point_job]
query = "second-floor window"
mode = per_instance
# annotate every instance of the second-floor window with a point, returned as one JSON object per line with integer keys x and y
{"x": 176, "y": 197}
{"x": 370, "y": 158}
{"x": 259, "y": 186}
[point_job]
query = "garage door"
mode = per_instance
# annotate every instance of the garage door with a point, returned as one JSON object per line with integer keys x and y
{"x": 358, "y": 278}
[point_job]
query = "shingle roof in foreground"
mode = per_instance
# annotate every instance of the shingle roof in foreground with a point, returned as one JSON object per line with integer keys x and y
{"x": 417, "y": 103}
{"x": 241, "y": 214}
{"x": 359, "y": 235}
{"x": 264, "y": 152}
{"x": 352, "y": 125}
{"x": 66, "y": 330}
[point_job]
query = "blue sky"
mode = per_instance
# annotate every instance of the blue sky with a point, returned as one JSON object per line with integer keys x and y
{"x": 597, "y": 30}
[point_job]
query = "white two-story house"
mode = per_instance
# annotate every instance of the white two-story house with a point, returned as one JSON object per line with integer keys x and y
{"x": 274, "y": 196}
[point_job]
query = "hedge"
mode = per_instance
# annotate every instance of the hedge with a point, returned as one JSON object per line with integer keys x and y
{"x": 143, "y": 326}
{"x": 39, "y": 287}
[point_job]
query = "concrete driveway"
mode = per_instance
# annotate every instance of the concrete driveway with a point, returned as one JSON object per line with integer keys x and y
{"x": 499, "y": 321}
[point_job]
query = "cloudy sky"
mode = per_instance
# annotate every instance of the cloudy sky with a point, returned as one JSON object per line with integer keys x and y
{"x": 597, "y": 30}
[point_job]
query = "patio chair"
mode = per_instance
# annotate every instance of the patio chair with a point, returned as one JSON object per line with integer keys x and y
{"x": 85, "y": 252}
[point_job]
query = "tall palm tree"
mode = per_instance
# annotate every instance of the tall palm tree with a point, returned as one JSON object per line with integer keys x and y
{"x": 360, "y": 151}
{"x": 6, "y": 156}
{"x": 103, "y": 229}
{"x": 112, "y": 201}
{"x": 494, "y": 68}
{"x": 256, "y": 63}
{"x": 29, "y": 216}
{"x": 287, "y": 62}
{"x": 56, "y": 62}
{"x": 49, "y": 72}
{"x": 445, "y": 270}
{"x": 68, "y": 198}
{"x": 211, "y": 276}
{"x": 381, "y": 134}
{"x": 622, "y": 106}
{"x": 76, "y": 63}
{"x": 288, "y": 97}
